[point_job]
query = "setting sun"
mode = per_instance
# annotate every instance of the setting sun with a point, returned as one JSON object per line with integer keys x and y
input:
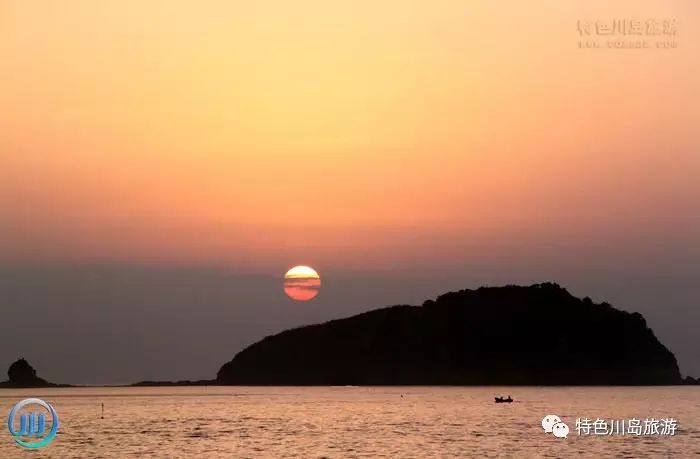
{"x": 302, "y": 283}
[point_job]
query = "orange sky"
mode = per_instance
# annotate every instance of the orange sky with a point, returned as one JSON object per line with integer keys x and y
{"x": 266, "y": 134}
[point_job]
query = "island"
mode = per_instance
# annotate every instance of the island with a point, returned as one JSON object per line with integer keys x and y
{"x": 511, "y": 335}
{"x": 22, "y": 375}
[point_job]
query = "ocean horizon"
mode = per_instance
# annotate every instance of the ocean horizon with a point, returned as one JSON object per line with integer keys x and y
{"x": 364, "y": 421}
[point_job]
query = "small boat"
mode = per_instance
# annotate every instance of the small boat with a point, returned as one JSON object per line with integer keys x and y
{"x": 503, "y": 400}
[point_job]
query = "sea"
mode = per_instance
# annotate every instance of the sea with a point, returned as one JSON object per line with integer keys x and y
{"x": 362, "y": 422}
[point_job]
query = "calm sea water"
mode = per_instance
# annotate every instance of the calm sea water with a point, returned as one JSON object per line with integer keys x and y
{"x": 346, "y": 422}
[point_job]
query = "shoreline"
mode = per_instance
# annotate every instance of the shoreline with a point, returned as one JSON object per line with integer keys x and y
{"x": 175, "y": 384}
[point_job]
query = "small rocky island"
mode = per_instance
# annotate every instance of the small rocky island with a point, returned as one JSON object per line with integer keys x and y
{"x": 22, "y": 375}
{"x": 512, "y": 335}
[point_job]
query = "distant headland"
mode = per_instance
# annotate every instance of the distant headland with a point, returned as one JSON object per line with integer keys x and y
{"x": 512, "y": 335}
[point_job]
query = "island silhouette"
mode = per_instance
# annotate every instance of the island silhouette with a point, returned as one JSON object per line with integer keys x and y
{"x": 22, "y": 375}
{"x": 511, "y": 335}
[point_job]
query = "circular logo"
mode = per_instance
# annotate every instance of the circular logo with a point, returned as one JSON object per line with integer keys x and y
{"x": 32, "y": 425}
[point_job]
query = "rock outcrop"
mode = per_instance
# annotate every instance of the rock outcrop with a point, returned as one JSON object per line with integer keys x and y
{"x": 22, "y": 374}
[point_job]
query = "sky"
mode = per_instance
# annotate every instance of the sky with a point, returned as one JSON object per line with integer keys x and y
{"x": 164, "y": 163}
